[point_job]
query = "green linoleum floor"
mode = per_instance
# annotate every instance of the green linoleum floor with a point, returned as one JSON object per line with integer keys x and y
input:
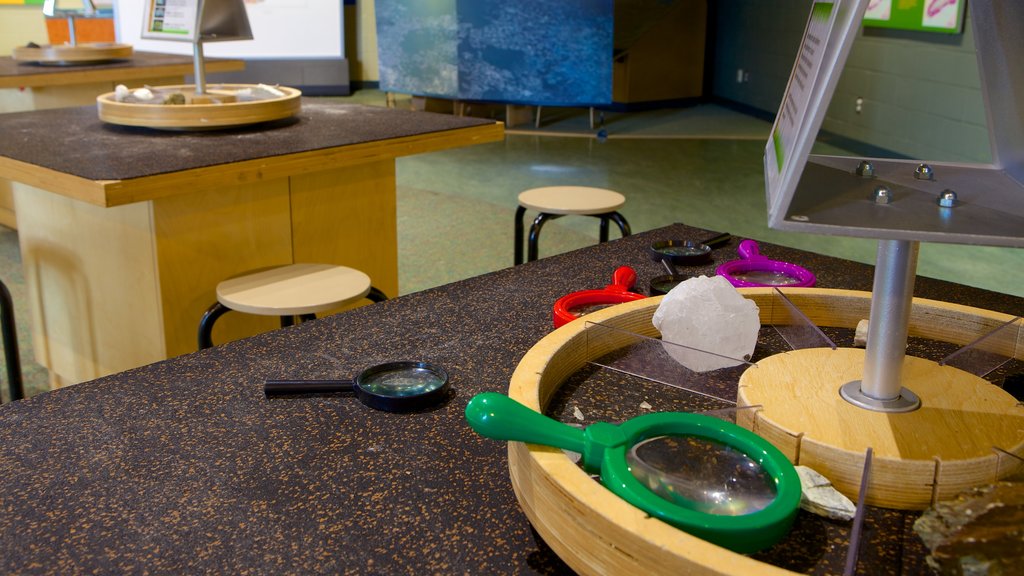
{"x": 699, "y": 165}
{"x": 710, "y": 183}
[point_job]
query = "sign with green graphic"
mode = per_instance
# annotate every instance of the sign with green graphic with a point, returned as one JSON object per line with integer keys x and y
{"x": 943, "y": 16}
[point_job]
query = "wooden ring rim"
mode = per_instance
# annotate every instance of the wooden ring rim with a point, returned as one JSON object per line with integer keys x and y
{"x": 199, "y": 116}
{"x": 94, "y": 52}
{"x": 593, "y": 530}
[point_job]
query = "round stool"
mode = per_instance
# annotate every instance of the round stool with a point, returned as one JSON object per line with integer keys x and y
{"x": 556, "y": 201}
{"x": 299, "y": 290}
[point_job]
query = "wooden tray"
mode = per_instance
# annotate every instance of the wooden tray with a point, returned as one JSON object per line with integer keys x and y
{"x": 196, "y": 114}
{"x": 596, "y": 532}
{"x": 71, "y": 55}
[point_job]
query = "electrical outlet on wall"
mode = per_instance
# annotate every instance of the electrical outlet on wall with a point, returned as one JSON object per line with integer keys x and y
{"x": 740, "y": 75}
{"x": 859, "y": 105}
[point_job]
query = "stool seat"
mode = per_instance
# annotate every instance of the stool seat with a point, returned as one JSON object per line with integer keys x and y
{"x": 294, "y": 290}
{"x": 551, "y": 202}
{"x": 563, "y": 200}
{"x": 290, "y": 292}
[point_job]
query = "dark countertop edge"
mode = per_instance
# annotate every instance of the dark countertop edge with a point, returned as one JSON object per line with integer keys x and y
{"x": 156, "y": 61}
{"x": 312, "y": 141}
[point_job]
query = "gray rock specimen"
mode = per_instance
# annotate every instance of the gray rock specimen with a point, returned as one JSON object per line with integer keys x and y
{"x": 819, "y": 497}
{"x": 981, "y": 532}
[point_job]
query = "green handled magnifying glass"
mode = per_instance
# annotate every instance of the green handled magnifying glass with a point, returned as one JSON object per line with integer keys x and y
{"x": 746, "y": 501}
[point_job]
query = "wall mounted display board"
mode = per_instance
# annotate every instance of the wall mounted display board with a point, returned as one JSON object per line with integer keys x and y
{"x": 299, "y": 43}
{"x": 526, "y": 52}
{"x": 195, "y": 20}
{"x": 944, "y": 16}
{"x": 280, "y": 29}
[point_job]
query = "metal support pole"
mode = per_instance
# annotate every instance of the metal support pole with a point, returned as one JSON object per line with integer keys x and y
{"x": 197, "y": 56}
{"x": 891, "y": 302}
{"x": 72, "y": 37}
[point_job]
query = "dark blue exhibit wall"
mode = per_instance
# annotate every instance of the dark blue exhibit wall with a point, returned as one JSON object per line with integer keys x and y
{"x": 522, "y": 52}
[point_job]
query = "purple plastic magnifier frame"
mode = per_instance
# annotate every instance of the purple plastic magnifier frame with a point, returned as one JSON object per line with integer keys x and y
{"x": 751, "y": 260}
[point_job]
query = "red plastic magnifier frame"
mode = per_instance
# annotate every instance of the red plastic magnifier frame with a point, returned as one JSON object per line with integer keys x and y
{"x": 623, "y": 280}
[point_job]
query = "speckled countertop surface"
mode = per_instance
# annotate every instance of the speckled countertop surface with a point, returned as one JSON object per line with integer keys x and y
{"x": 75, "y": 141}
{"x": 14, "y": 73}
{"x": 184, "y": 467}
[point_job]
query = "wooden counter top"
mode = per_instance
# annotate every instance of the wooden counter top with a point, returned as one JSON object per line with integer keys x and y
{"x": 69, "y": 151}
{"x": 14, "y": 74}
{"x": 184, "y": 467}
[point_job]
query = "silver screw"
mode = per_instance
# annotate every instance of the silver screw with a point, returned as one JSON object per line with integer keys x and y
{"x": 924, "y": 172}
{"x": 865, "y": 169}
{"x": 947, "y": 199}
{"x": 882, "y": 195}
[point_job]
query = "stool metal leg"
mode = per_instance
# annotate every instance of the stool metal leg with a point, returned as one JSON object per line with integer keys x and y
{"x": 538, "y": 223}
{"x": 518, "y": 254}
{"x": 612, "y": 217}
{"x": 621, "y": 222}
{"x": 206, "y": 324}
{"x": 10, "y": 336}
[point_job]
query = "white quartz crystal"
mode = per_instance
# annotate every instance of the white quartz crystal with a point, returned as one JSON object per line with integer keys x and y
{"x": 707, "y": 315}
{"x": 143, "y": 94}
{"x": 121, "y": 92}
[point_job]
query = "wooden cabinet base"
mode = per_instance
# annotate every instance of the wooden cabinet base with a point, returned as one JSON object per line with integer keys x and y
{"x": 113, "y": 288}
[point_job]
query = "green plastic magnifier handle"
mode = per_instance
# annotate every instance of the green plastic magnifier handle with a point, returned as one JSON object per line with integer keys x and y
{"x": 603, "y": 448}
{"x": 499, "y": 417}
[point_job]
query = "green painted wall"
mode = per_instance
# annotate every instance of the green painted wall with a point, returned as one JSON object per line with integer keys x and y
{"x": 921, "y": 91}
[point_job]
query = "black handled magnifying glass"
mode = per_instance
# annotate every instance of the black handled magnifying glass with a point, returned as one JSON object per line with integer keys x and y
{"x": 688, "y": 252}
{"x": 682, "y": 252}
{"x": 666, "y": 282}
{"x": 392, "y": 387}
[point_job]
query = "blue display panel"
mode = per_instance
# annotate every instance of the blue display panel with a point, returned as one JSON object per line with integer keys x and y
{"x": 526, "y": 51}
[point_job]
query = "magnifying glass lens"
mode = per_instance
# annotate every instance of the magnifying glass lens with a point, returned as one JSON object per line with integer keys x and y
{"x": 402, "y": 382}
{"x": 664, "y": 284}
{"x": 702, "y": 474}
{"x": 684, "y": 250}
{"x": 766, "y": 277}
